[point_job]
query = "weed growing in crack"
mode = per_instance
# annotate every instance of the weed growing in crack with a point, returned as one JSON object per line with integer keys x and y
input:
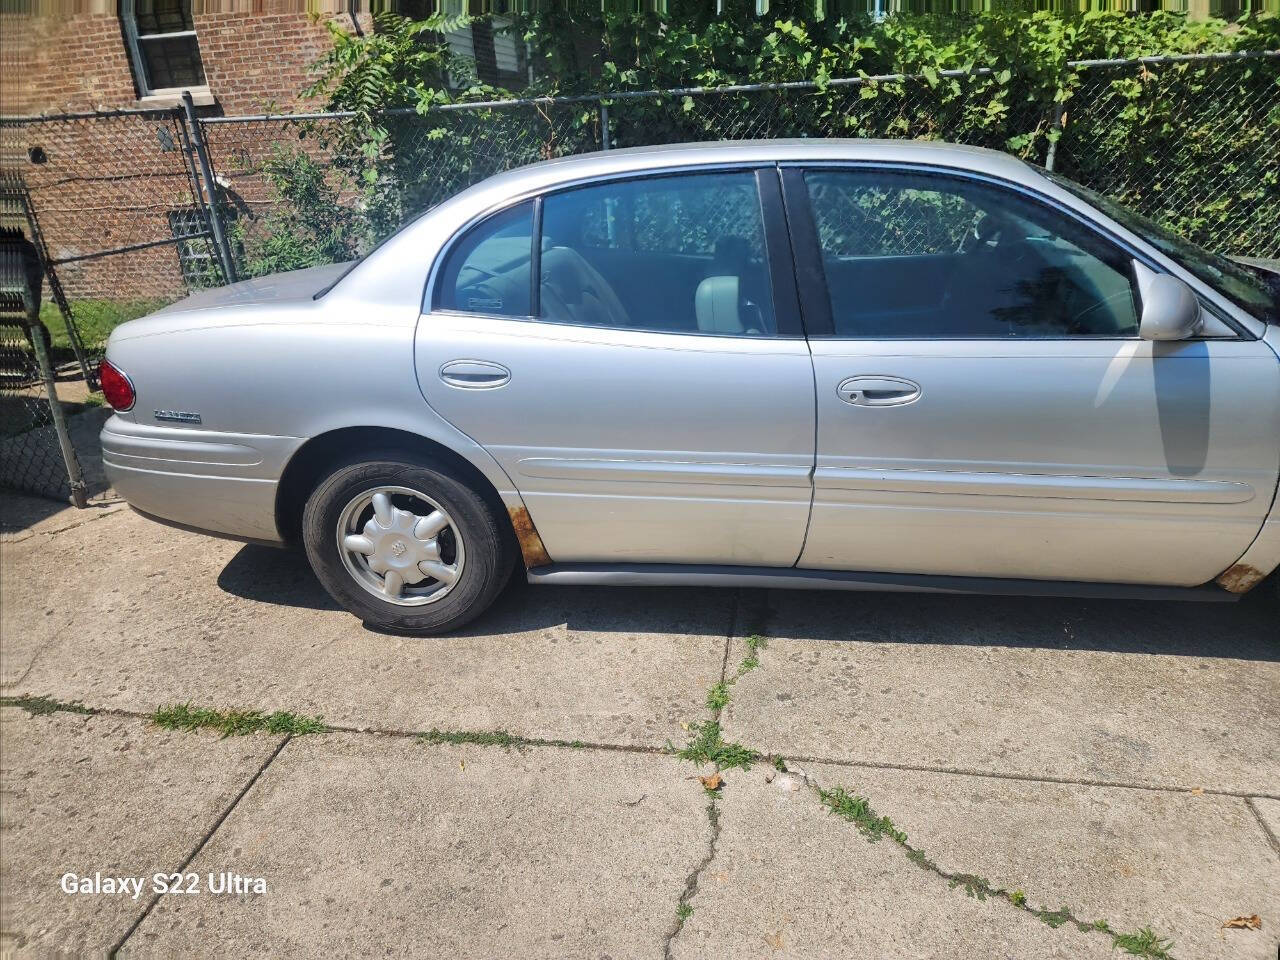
{"x": 40, "y": 706}
{"x": 754, "y": 643}
{"x": 484, "y": 738}
{"x": 235, "y": 723}
{"x": 1018, "y": 898}
{"x": 1144, "y": 943}
{"x": 1054, "y": 918}
{"x": 707, "y": 745}
{"x": 974, "y": 886}
{"x": 857, "y": 810}
{"x": 718, "y": 696}
{"x": 683, "y": 912}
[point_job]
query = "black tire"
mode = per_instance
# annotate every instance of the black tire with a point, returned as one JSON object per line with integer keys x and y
{"x": 489, "y": 551}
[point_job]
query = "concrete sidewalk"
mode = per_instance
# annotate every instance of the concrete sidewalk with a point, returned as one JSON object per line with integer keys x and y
{"x": 1119, "y": 760}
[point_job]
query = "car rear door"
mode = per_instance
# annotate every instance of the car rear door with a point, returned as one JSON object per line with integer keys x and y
{"x": 651, "y": 397}
{"x": 1004, "y": 419}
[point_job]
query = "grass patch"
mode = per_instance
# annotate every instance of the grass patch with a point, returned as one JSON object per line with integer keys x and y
{"x": 95, "y": 319}
{"x": 707, "y": 745}
{"x": 857, "y": 810}
{"x": 1144, "y": 943}
{"x": 235, "y": 723}
{"x": 40, "y": 706}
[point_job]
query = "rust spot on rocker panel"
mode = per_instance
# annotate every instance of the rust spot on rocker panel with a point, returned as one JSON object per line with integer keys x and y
{"x": 1239, "y": 579}
{"x": 531, "y": 548}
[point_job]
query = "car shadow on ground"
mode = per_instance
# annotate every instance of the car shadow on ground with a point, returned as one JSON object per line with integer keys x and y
{"x": 1246, "y": 630}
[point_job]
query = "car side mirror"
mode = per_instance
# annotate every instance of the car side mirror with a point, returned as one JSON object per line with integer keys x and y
{"x": 1170, "y": 309}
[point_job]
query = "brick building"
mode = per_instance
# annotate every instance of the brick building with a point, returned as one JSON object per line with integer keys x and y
{"x": 104, "y": 182}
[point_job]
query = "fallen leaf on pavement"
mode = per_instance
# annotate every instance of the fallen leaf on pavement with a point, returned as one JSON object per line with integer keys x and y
{"x": 1245, "y": 923}
{"x": 1197, "y": 791}
{"x": 712, "y": 782}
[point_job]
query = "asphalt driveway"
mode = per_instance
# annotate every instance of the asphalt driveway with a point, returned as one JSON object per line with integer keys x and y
{"x": 899, "y": 776}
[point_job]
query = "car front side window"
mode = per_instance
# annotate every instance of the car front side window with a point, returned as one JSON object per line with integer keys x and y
{"x": 919, "y": 255}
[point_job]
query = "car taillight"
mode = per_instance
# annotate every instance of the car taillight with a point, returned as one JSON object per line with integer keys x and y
{"x": 115, "y": 387}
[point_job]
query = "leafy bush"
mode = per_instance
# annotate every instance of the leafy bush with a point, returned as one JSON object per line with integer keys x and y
{"x": 1172, "y": 148}
{"x": 311, "y": 224}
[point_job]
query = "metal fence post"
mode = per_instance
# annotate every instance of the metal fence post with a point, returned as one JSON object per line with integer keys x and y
{"x": 1058, "y": 123}
{"x": 75, "y": 478}
{"x": 211, "y": 193}
{"x": 604, "y": 126}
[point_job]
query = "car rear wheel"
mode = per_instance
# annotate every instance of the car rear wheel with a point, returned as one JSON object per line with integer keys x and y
{"x": 405, "y": 546}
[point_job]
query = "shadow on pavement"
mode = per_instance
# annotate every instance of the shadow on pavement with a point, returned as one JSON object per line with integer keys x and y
{"x": 271, "y": 575}
{"x": 1247, "y": 630}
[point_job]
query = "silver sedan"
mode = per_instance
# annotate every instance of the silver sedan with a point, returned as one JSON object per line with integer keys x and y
{"x": 833, "y": 364}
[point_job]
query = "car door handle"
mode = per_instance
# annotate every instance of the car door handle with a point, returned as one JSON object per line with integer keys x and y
{"x": 878, "y": 391}
{"x": 474, "y": 374}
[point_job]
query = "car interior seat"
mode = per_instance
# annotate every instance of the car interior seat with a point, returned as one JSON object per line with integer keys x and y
{"x": 573, "y": 291}
{"x": 723, "y": 302}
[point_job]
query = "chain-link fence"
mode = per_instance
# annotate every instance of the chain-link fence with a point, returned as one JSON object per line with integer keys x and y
{"x": 36, "y": 453}
{"x": 1192, "y": 143}
{"x": 138, "y": 208}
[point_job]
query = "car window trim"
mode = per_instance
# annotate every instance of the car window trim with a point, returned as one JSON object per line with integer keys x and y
{"x": 797, "y": 197}
{"x": 431, "y": 292}
{"x": 535, "y": 259}
{"x": 787, "y": 316}
{"x": 810, "y": 271}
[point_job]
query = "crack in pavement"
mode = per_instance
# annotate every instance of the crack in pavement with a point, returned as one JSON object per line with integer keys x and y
{"x": 683, "y": 909}
{"x": 873, "y": 826}
{"x": 523, "y": 741}
{"x": 200, "y": 845}
{"x": 1266, "y": 829}
{"x": 106, "y": 511}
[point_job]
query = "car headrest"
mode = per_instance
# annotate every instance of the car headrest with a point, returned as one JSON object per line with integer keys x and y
{"x": 716, "y": 305}
{"x": 732, "y": 253}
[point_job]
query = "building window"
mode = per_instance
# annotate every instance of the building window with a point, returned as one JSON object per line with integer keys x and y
{"x": 162, "y": 45}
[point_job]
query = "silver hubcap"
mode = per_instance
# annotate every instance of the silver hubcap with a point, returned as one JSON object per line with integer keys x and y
{"x": 400, "y": 545}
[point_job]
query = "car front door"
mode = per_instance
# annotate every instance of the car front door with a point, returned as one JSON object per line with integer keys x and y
{"x": 986, "y": 407}
{"x": 651, "y": 395}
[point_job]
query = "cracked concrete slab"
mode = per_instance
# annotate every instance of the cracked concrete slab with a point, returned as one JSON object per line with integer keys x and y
{"x": 1108, "y": 691}
{"x": 101, "y": 794}
{"x": 1179, "y": 863}
{"x": 379, "y": 845}
{"x": 23, "y": 517}
{"x": 1269, "y": 813}
{"x": 140, "y": 615}
{"x": 789, "y": 879}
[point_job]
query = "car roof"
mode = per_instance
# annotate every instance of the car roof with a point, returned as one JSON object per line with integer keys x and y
{"x": 680, "y": 155}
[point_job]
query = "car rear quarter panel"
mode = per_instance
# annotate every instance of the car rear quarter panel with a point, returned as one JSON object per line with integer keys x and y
{"x": 263, "y": 381}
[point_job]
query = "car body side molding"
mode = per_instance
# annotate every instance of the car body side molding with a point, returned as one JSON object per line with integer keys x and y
{"x": 680, "y": 575}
